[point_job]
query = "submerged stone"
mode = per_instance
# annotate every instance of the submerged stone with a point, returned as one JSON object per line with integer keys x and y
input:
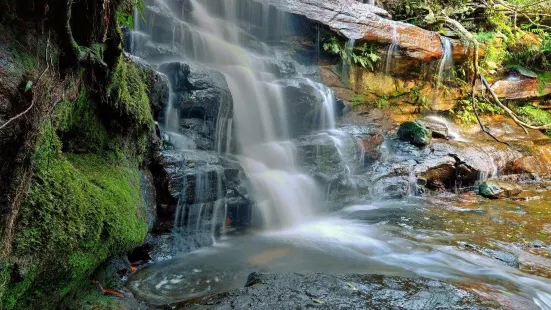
{"x": 498, "y": 189}
{"x": 414, "y": 133}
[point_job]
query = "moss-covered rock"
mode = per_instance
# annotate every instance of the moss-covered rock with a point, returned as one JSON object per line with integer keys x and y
{"x": 497, "y": 189}
{"x": 414, "y": 133}
{"x": 127, "y": 96}
{"x": 84, "y": 204}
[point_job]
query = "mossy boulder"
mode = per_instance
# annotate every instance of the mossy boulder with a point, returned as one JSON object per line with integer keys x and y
{"x": 415, "y": 133}
{"x": 498, "y": 189}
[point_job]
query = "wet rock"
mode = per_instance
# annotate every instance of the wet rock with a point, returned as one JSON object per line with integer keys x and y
{"x": 515, "y": 89}
{"x": 349, "y": 190}
{"x": 392, "y": 188}
{"x": 158, "y": 93}
{"x": 371, "y": 146}
{"x": 149, "y": 196}
{"x": 498, "y": 189}
{"x": 356, "y": 20}
{"x": 327, "y": 291}
{"x": 280, "y": 68}
{"x": 158, "y": 52}
{"x": 306, "y": 102}
{"x": 158, "y": 90}
{"x": 325, "y": 154}
{"x": 414, "y": 133}
{"x": 538, "y": 244}
{"x": 199, "y": 92}
{"x": 114, "y": 272}
{"x": 438, "y": 129}
{"x": 200, "y": 131}
{"x": 502, "y": 256}
{"x": 531, "y": 164}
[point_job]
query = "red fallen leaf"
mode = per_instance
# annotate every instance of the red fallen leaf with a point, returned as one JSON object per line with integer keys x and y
{"x": 107, "y": 291}
{"x": 133, "y": 268}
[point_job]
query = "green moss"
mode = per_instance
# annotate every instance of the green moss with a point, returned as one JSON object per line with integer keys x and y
{"x": 79, "y": 125}
{"x": 81, "y": 210}
{"x": 544, "y": 79}
{"x": 535, "y": 116}
{"x": 25, "y": 60}
{"x": 128, "y": 96}
{"x": 84, "y": 204}
{"x": 414, "y": 133}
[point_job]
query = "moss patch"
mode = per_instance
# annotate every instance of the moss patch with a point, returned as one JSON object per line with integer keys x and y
{"x": 414, "y": 133}
{"x": 128, "y": 96}
{"x": 535, "y": 116}
{"x": 84, "y": 205}
{"x": 81, "y": 210}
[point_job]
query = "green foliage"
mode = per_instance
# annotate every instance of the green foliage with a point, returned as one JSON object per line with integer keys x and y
{"x": 419, "y": 99}
{"x": 465, "y": 114}
{"x": 534, "y": 115}
{"x": 125, "y": 14}
{"x": 544, "y": 79}
{"x": 364, "y": 55}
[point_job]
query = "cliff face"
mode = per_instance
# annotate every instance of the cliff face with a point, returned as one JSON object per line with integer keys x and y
{"x": 77, "y": 138}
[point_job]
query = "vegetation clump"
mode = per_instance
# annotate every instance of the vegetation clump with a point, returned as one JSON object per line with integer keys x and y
{"x": 84, "y": 204}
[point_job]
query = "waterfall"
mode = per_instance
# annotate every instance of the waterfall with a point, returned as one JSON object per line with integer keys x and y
{"x": 446, "y": 62}
{"x": 197, "y": 221}
{"x": 347, "y": 62}
{"x": 391, "y": 50}
{"x": 256, "y": 127}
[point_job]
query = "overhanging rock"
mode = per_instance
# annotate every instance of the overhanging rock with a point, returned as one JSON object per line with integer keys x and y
{"x": 360, "y": 21}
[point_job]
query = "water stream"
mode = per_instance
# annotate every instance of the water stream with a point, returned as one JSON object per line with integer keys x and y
{"x": 395, "y": 237}
{"x": 391, "y": 50}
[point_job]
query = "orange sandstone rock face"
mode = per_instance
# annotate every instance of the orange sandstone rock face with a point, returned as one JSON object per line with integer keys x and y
{"x": 359, "y": 21}
{"x": 521, "y": 89}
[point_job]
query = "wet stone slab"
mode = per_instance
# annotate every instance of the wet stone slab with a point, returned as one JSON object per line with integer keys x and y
{"x": 327, "y": 291}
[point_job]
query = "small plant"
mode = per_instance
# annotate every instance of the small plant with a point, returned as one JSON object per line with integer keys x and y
{"x": 364, "y": 55}
{"x": 465, "y": 113}
{"x": 125, "y": 14}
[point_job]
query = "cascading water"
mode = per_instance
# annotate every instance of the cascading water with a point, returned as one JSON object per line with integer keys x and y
{"x": 212, "y": 36}
{"x": 258, "y": 130}
{"x": 347, "y": 61}
{"x": 391, "y": 50}
{"x": 445, "y": 64}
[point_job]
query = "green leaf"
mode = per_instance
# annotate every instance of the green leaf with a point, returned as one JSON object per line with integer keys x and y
{"x": 28, "y": 86}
